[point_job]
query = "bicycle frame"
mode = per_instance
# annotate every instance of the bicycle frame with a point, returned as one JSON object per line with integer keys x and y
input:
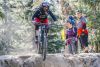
{"x": 43, "y": 40}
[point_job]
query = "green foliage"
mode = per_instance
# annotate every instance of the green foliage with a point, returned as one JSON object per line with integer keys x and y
{"x": 29, "y": 4}
{"x": 97, "y": 21}
{"x": 98, "y": 17}
{"x": 54, "y": 40}
{"x": 1, "y": 15}
{"x": 2, "y": 48}
{"x": 91, "y": 3}
{"x": 28, "y": 13}
{"x": 36, "y": 3}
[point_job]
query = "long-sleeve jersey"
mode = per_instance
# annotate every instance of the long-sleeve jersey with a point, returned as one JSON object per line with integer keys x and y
{"x": 82, "y": 19}
{"x": 40, "y": 13}
{"x": 72, "y": 32}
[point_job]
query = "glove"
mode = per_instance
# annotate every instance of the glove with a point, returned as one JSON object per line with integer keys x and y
{"x": 33, "y": 22}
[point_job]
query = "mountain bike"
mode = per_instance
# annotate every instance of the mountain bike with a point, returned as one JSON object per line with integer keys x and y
{"x": 42, "y": 40}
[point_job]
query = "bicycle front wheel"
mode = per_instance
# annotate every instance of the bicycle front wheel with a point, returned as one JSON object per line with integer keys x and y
{"x": 44, "y": 50}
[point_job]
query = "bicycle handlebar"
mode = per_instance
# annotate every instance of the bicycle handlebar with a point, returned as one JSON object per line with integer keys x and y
{"x": 40, "y": 24}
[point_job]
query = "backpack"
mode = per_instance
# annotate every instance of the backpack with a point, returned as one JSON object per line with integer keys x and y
{"x": 83, "y": 25}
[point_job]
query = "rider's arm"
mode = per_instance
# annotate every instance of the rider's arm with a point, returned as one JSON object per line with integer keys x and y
{"x": 35, "y": 14}
{"x": 51, "y": 14}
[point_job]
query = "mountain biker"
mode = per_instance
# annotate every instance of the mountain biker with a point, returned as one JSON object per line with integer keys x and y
{"x": 82, "y": 31}
{"x": 41, "y": 16}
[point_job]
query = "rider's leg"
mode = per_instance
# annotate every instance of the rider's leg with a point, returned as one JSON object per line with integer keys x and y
{"x": 37, "y": 20}
{"x": 36, "y": 33}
